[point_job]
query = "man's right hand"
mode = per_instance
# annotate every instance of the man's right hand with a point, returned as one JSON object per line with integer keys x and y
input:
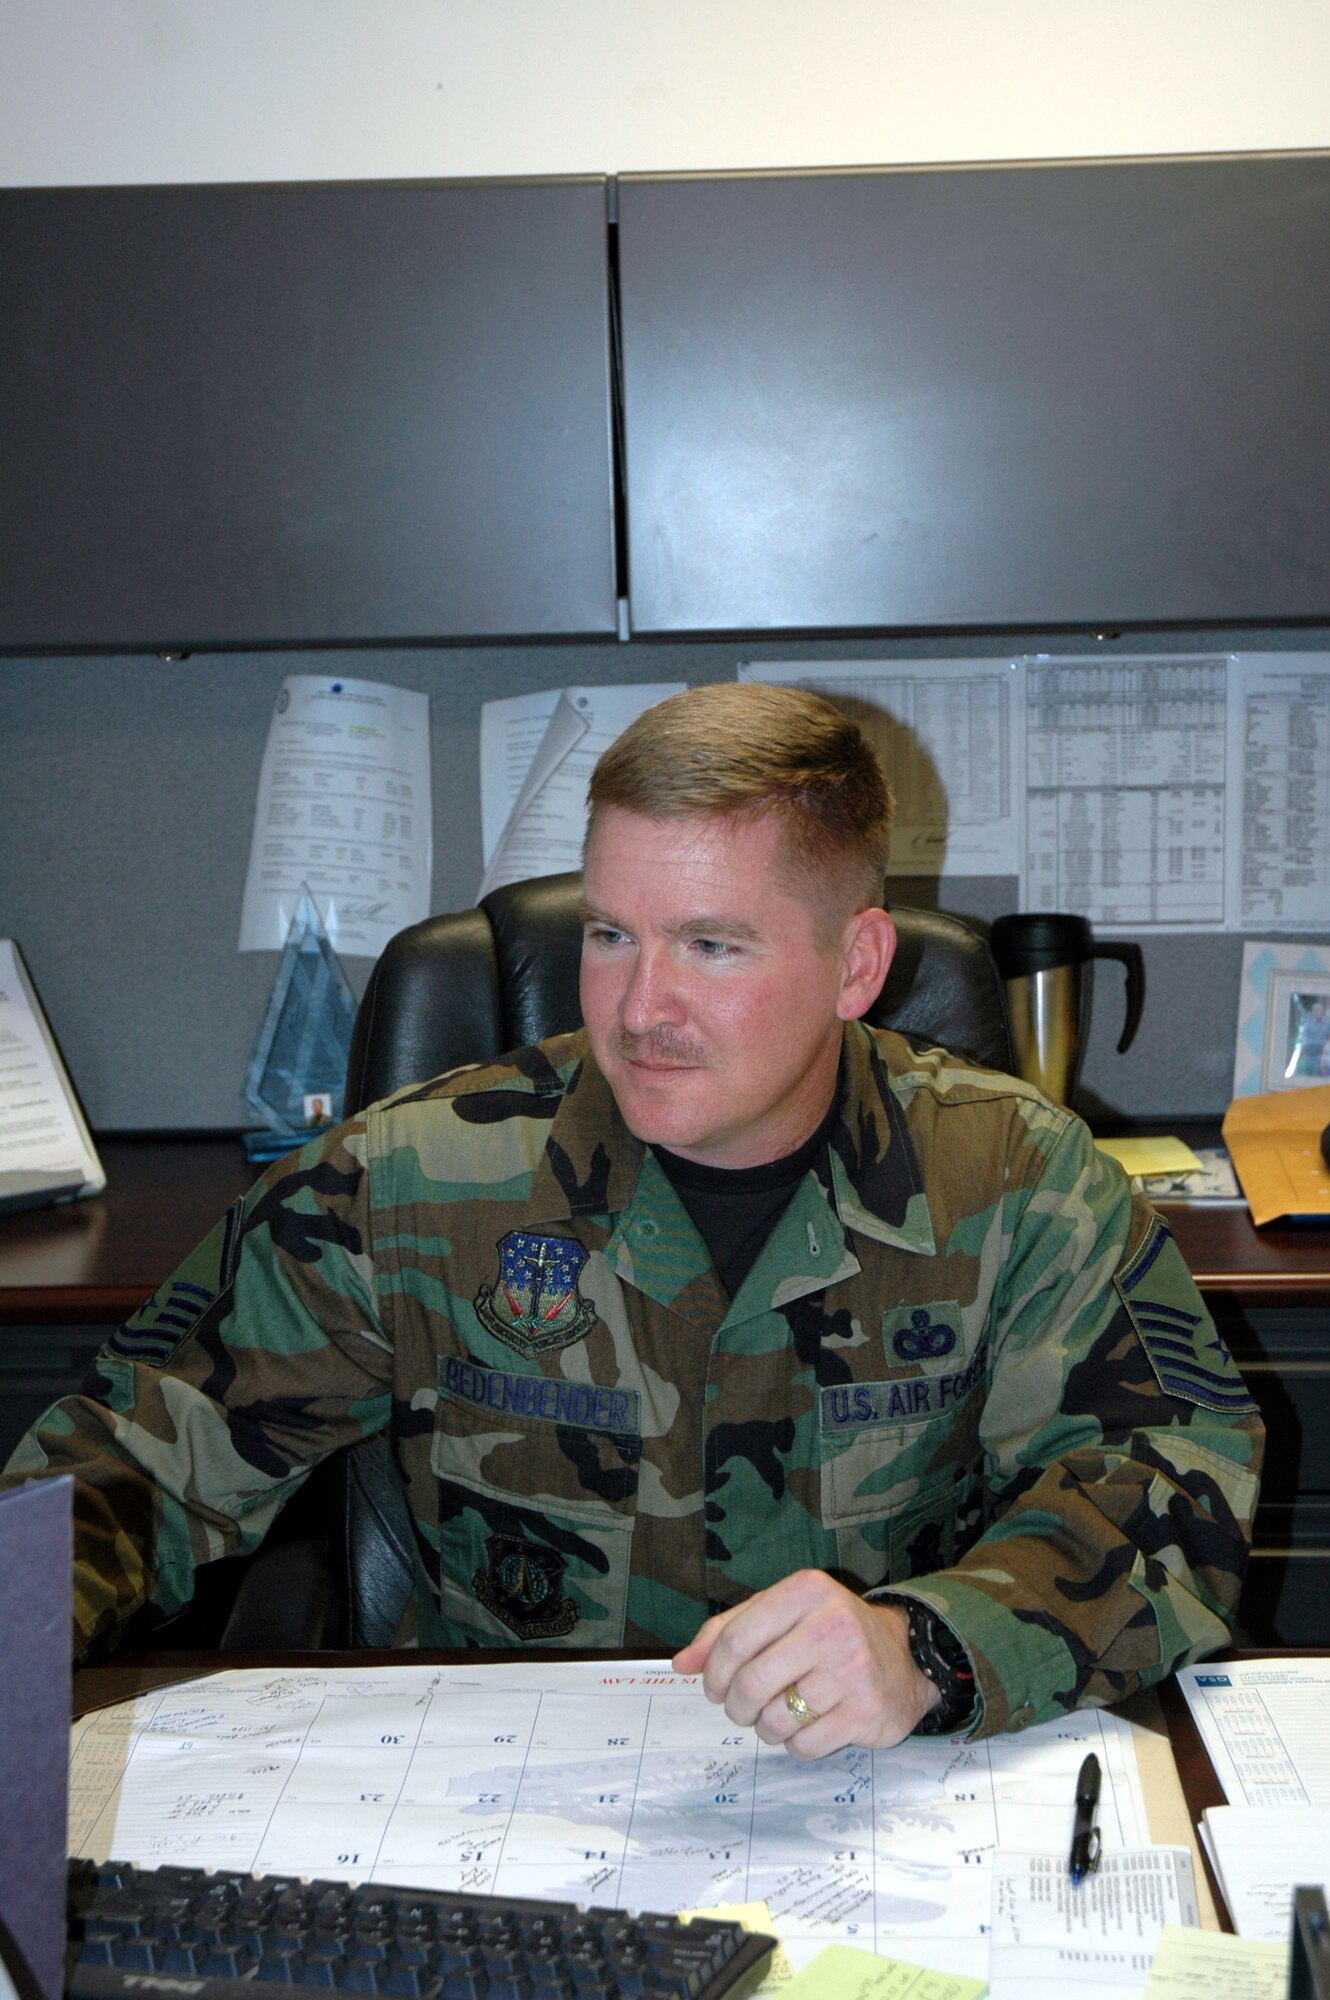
{"x": 849, "y": 1662}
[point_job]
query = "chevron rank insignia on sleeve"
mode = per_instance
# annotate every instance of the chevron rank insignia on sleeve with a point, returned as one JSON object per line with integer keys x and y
{"x": 1188, "y": 1356}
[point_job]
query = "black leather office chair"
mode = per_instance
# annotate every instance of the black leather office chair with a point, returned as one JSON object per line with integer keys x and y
{"x": 463, "y": 988}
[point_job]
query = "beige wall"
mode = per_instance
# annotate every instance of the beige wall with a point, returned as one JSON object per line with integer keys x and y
{"x": 201, "y": 90}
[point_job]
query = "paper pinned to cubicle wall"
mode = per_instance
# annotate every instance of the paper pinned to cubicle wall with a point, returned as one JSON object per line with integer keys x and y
{"x": 1184, "y": 792}
{"x": 949, "y": 736}
{"x": 344, "y": 805}
{"x": 537, "y": 752}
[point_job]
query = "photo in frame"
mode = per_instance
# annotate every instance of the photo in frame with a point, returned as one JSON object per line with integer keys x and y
{"x": 1283, "y": 1040}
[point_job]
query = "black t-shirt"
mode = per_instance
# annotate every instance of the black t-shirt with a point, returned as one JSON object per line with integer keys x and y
{"x": 735, "y": 1209}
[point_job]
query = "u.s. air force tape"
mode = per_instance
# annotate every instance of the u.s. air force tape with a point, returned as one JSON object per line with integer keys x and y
{"x": 909, "y": 1399}
{"x": 546, "y": 1397}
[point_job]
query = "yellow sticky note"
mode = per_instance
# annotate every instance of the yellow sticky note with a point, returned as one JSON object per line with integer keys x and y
{"x": 842, "y": 1973}
{"x": 1151, "y": 1156}
{"x": 1195, "y": 1965}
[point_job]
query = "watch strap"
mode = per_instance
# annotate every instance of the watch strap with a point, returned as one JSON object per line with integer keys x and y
{"x": 941, "y": 1658}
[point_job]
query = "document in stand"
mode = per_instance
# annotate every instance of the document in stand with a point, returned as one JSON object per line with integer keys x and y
{"x": 615, "y": 1784}
{"x": 46, "y": 1149}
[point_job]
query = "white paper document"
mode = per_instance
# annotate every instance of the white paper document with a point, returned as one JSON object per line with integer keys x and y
{"x": 537, "y": 752}
{"x": 615, "y": 1784}
{"x": 1260, "y": 1855}
{"x": 1052, "y": 1937}
{"x": 1279, "y": 724}
{"x": 1128, "y": 788}
{"x": 948, "y": 734}
{"x": 1263, "y": 1723}
{"x": 1179, "y": 792}
{"x": 344, "y": 807}
{"x": 1148, "y": 792}
{"x": 46, "y": 1149}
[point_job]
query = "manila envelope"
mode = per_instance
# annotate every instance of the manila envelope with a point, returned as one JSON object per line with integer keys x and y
{"x": 1274, "y": 1141}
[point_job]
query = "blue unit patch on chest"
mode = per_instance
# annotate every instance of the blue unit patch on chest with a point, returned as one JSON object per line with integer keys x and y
{"x": 534, "y": 1304}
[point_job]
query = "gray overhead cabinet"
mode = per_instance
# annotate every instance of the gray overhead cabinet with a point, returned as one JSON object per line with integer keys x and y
{"x": 308, "y": 414}
{"x": 985, "y": 397}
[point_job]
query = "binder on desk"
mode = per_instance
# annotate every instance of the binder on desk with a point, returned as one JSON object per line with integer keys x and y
{"x": 46, "y": 1149}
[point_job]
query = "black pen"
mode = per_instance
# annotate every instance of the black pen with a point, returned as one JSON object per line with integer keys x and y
{"x": 1084, "y": 1833}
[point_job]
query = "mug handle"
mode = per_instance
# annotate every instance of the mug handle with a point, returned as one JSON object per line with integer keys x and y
{"x": 1130, "y": 956}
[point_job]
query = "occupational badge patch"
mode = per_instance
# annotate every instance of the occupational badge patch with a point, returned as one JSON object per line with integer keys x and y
{"x": 914, "y": 1335}
{"x": 535, "y": 1306}
{"x": 522, "y": 1588}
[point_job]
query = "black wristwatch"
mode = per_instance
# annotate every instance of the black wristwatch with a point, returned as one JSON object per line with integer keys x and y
{"x": 939, "y": 1655}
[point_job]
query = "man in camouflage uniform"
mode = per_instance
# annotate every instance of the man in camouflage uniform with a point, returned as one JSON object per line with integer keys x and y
{"x": 728, "y": 1312}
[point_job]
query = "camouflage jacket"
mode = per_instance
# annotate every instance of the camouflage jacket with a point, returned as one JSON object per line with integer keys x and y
{"x": 966, "y": 1359}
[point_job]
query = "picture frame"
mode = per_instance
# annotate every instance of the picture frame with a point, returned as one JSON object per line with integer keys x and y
{"x": 1283, "y": 1038}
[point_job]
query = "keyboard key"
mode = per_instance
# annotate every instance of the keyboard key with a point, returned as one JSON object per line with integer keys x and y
{"x": 228, "y": 1961}
{"x": 138, "y": 1955}
{"x": 101, "y": 1950}
{"x": 181, "y": 1957}
{"x": 280, "y": 1967}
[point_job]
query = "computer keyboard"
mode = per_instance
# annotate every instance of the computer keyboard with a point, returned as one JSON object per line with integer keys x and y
{"x": 193, "y": 1934}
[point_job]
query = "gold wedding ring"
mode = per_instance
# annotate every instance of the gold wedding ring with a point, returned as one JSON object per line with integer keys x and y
{"x": 797, "y": 1706}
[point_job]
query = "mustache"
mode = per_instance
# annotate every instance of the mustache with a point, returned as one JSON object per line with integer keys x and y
{"x": 660, "y": 1046}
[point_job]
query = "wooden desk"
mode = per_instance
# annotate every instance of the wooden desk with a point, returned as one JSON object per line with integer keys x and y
{"x": 94, "y": 1262}
{"x": 69, "y": 1273}
{"x": 1234, "y": 1263}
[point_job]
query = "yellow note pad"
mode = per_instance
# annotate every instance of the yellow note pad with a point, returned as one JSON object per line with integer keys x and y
{"x": 1197, "y": 1965}
{"x": 842, "y": 1973}
{"x": 1152, "y": 1156}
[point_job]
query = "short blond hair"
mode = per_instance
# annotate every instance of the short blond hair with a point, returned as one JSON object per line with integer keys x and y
{"x": 746, "y": 750}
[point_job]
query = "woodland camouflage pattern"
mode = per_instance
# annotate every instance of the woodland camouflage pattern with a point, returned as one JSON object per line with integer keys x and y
{"x": 966, "y": 1360}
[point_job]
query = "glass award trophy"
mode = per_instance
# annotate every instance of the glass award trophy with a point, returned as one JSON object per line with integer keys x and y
{"x": 296, "y": 1078}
